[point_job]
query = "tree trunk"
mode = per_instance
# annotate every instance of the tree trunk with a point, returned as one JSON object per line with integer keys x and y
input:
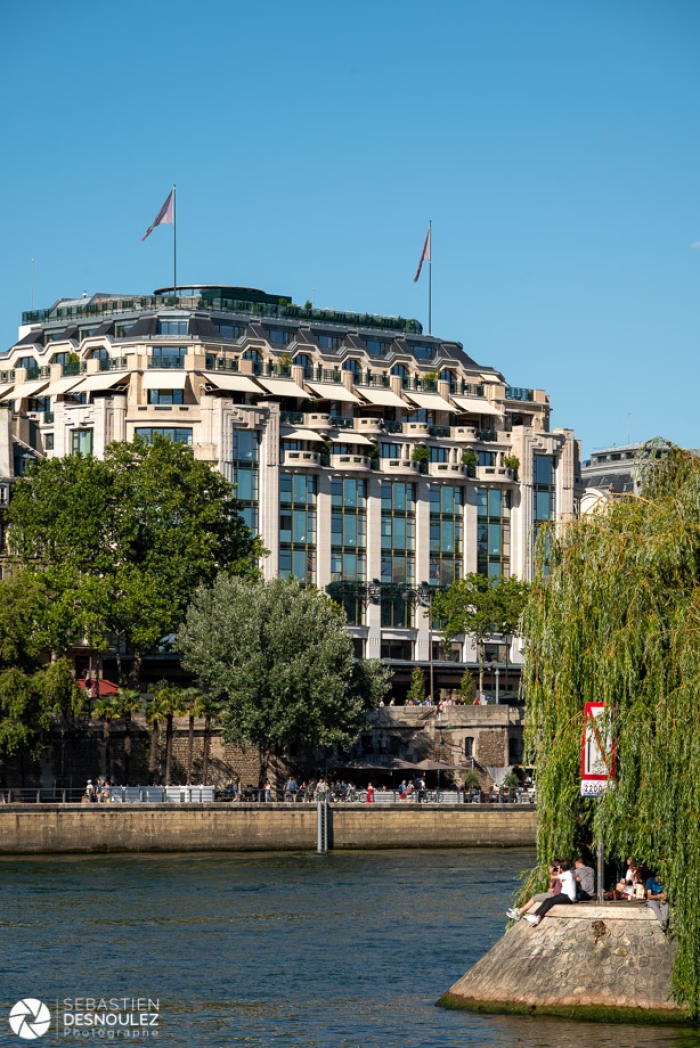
{"x": 481, "y": 671}
{"x": 190, "y": 747}
{"x": 127, "y": 746}
{"x": 135, "y": 671}
{"x": 105, "y": 739}
{"x": 168, "y": 748}
{"x": 153, "y": 758}
{"x": 206, "y": 749}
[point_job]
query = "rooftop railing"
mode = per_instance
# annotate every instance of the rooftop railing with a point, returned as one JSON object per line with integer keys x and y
{"x": 519, "y": 393}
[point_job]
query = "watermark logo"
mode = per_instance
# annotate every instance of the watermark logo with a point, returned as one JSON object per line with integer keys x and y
{"x": 30, "y": 1019}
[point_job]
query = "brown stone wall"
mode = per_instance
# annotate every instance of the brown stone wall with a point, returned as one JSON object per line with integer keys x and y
{"x": 219, "y": 827}
{"x": 491, "y": 748}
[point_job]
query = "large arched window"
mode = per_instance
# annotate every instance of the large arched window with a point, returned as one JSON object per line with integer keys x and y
{"x": 100, "y": 353}
{"x": 352, "y": 365}
{"x": 252, "y": 354}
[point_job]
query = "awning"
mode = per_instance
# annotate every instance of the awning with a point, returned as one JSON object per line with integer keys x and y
{"x": 333, "y": 391}
{"x": 62, "y": 385}
{"x": 430, "y": 401}
{"x": 101, "y": 381}
{"x": 349, "y": 436}
{"x": 283, "y": 387}
{"x": 27, "y": 389}
{"x": 492, "y": 378}
{"x": 4, "y": 390}
{"x": 477, "y": 405}
{"x": 292, "y": 433}
{"x": 384, "y": 397}
{"x": 231, "y": 383}
{"x": 164, "y": 379}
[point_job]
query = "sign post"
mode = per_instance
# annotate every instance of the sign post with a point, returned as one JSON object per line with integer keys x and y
{"x": 597, "y": 765}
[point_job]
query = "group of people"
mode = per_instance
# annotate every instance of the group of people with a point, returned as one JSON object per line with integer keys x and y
{"x": 566, "y": 885}
{"x": 577, "y": 884}
{"x": 97, "y": 792}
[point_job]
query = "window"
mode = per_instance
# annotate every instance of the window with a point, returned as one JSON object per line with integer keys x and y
{"x": 100, "y": 354}
{"x": 228, "y": 330}
{"x": 122, "y": 330}
{"x": 246, "y": 466}
{"x": 27, "y": 362}
{"x": 352, "y": 365}
{"x": 280, "y": 336}
{"x": 60, "y": 358}
{"x": 389, "y": 451}
{"x": 168, "y": 356}
{"x": 330, "y": 341}
{"x": 400, "y": 371}
{"x": 81, "y": 442}
{"x": 493, "y": 532}
{"x": 446, "y": 534}
{"x": 469, "y": 746}
{"x": 397, "y": 649}
{"x": 349, "y": 538}
{"x": 48, "y": 441}
{"x": 165, "y": 396}
{"x": 449, "y": 376}
{"x": 421, "y": 351}
{"x": 172, "y": 327}
{"x": 438, "y": 454}
{"x": 376, "y": 346}
{"x": 178, "y": 434}
{"x": 398, "y": 543}
{"x": 303, "y": 360}
{"x": 252, "y": 354}
{"x": 297, "y": 554}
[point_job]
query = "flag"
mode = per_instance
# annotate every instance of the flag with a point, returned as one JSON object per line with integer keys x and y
{"x": 164, "y": 216}
{"x": 425, "y": 256}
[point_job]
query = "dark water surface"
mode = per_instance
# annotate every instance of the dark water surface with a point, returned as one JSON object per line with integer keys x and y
{"x": 346, "y": 949}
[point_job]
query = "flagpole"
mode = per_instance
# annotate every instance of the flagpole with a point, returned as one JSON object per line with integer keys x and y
{"x": 174, "y": 242}
{"x": 430, "y": 280}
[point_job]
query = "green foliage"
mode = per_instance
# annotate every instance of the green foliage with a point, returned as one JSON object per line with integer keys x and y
{"x": 416, "y": 690}
{"x": 420, "y": 454}
{"x": 32, "y": 692}
{"x": 614, "y": 616}
{"x": 511, "y": 781}
{"x": 280, "y": 663}
{"x": 471, "y": 779}
{"x": 480, "y": 606}
{"x": 119, "y": 545}
{"x": 511, "y": 462}
{"x": 466, "y": 686}
{"x": 469, "y": 458}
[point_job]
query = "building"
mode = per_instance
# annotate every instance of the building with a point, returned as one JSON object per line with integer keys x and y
{"x": 371, "y": 458}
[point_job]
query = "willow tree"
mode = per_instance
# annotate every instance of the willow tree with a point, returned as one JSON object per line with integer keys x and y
{"x": 614, "y": 616}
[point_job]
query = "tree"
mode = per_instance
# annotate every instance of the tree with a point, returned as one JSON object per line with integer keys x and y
{"x": 614, "y": 616}
{"x": 122, "y": 543}
{"x": 33, "y": 691}
{"x": 481, "y": 606}
{"x": 169, "y": 701}
{"x": 416, "y": 690}
{"x": 278, "y": 660}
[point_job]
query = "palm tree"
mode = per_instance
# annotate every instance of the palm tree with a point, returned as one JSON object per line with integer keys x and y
{"x": 127, "y": 702}
{"x": 106, "y": 710}
{"x": 193, "y": 697}
{"x": 208, "y": 708}
{"x": 169, "y": 701}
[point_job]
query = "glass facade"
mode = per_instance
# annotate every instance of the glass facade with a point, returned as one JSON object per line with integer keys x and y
{"x": 168, "y": 356}
{"x": 165, "y": 396}
{"x": 178, "y": 434}
{"x": 543, "y": 492}
{"x": 297, "y": 555}
{"x": 81, "y": 441}
{"x": 493, "y": 532}
{"x": 398, "y": 549}
{"x": 349, "y": 539}
{"x": 446, "y": 534}
{"x": 246, "y": 475}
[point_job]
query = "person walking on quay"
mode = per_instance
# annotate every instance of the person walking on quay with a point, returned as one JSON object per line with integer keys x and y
{"x": 370, "y": 793}
{"x": 290, "y": 789}
{"x": 267, "y": 791}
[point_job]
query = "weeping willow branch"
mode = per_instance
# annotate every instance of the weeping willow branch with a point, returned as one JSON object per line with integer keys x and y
{"x": 613, "y": 617}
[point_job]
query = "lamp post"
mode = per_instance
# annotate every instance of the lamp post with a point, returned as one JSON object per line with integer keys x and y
{"x": 498, "y": 672}
{"x": 424, "y": 596}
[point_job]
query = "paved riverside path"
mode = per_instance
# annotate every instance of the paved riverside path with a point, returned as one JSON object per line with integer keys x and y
{"x": 611, "y": 961}
{"x": 220, "y": 827}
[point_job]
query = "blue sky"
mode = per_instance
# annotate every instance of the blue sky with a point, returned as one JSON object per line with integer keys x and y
{"x": 555, "y": 146}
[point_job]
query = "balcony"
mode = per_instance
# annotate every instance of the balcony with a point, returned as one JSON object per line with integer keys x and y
{"x": 494, "y": 473}
{"x": 463, "y": 432}
{"x": 417, "y": 429}
{"x": 519, "y": 393}
{"x": 344, "y": 462}
{"x": 393, "y": 427}
{"x": 369, "y": 425}
{"x": 317, "y": 420}
{"x": 452, "y": 469}
{"x": 301, "y": 458}
{"x": 341, "y": 422}
{"x": 398, "y": 466}
{"x": 486, "y": 434}
{"x": 439, "y": 431}
{"x": 112, "y": 363}
{"x": 292, "y": 418}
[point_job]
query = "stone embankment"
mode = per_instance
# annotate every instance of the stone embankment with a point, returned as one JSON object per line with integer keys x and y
{"x": 240, "y": 827}
{"x": 610, "y": 962}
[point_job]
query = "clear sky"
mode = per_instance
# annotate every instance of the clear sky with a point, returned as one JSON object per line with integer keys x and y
{"x": 555, "y": 146}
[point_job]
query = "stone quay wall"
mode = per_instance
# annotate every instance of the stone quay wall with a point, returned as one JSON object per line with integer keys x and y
{"x": 606, "y": 962}
{"x": 26, "y": 828}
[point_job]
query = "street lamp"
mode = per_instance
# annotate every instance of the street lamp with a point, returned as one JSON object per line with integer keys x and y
{"x": 424, "y": 596}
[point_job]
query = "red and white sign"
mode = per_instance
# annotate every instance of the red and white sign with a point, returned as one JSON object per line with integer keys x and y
{"x": 597, "y": 750}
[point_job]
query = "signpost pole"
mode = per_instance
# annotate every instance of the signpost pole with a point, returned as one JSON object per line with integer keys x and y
{"x": 599, "y": 873}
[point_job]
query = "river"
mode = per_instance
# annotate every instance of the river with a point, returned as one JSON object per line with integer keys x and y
{"x": 292, "y": 950}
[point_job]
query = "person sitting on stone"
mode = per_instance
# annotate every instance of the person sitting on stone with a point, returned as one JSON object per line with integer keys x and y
{"x": 566, "y": 896}
{"x": 656, "y": 898}
{"x": 585, "y": 881}
{"x": 516, "y": 912}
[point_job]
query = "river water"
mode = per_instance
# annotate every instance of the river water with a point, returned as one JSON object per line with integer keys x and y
{"x": 345, "y": 950}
